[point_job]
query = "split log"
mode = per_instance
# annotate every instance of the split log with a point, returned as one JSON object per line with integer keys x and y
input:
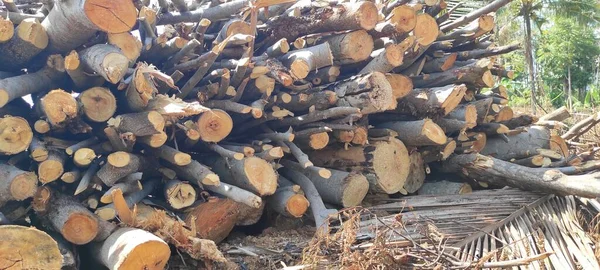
{"x": 15, "y": 184}
{"x": 15, "y": 135}
{"x": 141, "y": 89}
{"x": 384, "y": 163}
{"x": 431, "y": 102}
{"x": 23, "y": 247}
{"x": 250, "y": 173}
{"x": 130, "y": 248}
{"x": 66, "y": 216}
{"x": 45, "y": 79}
{"x": 417, "y": 133}
{"x": 445, "y": 188}
{"x": 28, "y": 41}
{"x": 499, "y": 172}
{"x": 341, "y": 188}
{"x": 72, "y": 23}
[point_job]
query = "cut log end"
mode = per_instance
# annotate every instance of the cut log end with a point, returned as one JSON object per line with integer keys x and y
{"x": 84, "y": 157}
{"x": 260, "y": 175}
{"x": 50, "y": 170}
{"x": 426, "y": 29}
{"x": 119, "y": 159}
{"x": 367, "y": 15}
{"x": 118, "y": 61}
{"x": 404, "y": 18}
{"x": 401, "y": 85}
{"x": 23, "y": 186}
{"x": 59, "y": 107}
{"x": 28, "y": 248}
{"x": 155, "y": 140}
{"x": 180, "y": 195}
{"x": 318, "y": 140}
{"x": 391, "y": 164}
{"x": 129, "y": 248}
{"x": 41, "y": 126}
{"x": 111, "y": 16}
{"x": 355, "y": 191}
{"x": 99, "y": 104}
{"x": 15, "y": 135}
{"x": 433, "y": 132}
{"x": 80, "y": 229}
{"x": 32, "y": 32}
{"x": 214, "y": 125}
{"x": 211, "y": 180}
{"x": 7, "y": 30}
{"x": 297, "y": 205}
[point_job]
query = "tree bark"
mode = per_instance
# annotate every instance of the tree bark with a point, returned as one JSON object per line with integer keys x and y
{"x": 371, "y": 93}
{"x": 45, "y": 79}
{"x": 130, "y": 248}
{"x": 384, "y": 163}
{"x": 499, "y": 172}
{"x": 417, "y": 133}
{"x": 15, "y": 184}
{"x": 28, "y": 41}
{"x": 431, "y": 102}
{"x": 72, "y": 23}
{"x": 65, "y": 215}
{"x": 105, "y": 60}
{"x": 15, "y": 135}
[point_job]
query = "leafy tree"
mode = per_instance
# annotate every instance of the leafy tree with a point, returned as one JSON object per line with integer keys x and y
{"x": 568, "y": 52}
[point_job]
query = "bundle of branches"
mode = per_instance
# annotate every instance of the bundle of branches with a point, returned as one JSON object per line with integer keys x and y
{"x": 204, "y": 115}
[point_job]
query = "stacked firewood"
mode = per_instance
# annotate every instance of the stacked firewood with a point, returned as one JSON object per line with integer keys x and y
{"x": 170, "y": 122}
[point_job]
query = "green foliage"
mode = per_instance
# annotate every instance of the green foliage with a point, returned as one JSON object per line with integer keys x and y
{"x": 567, "y": 44}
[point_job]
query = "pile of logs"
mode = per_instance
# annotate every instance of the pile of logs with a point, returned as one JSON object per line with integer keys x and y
{"x": 131, "y": 125}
